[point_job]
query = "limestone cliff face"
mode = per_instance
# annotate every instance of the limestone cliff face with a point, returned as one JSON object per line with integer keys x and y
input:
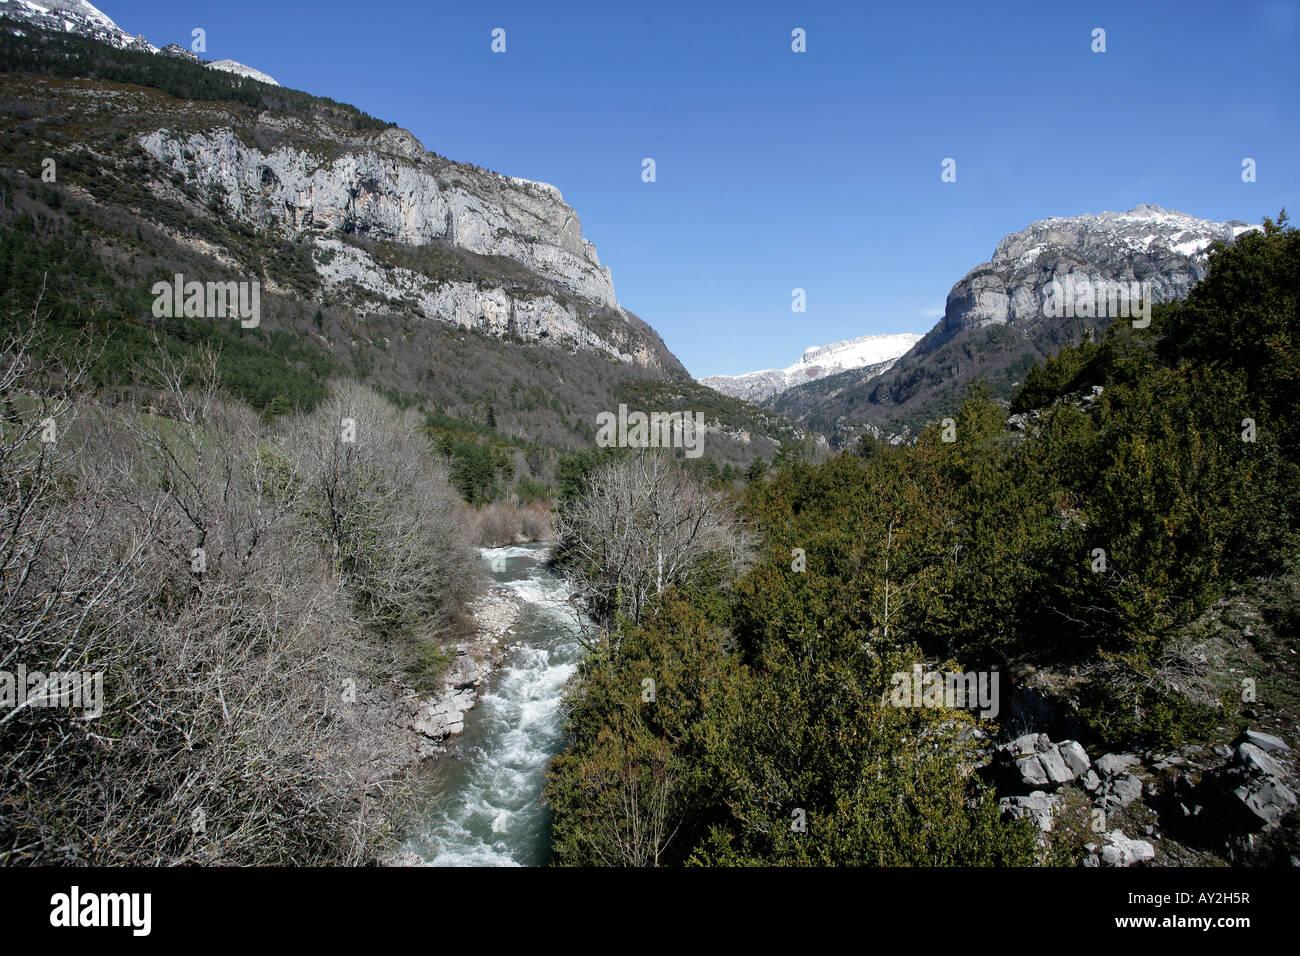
{"x": 330, "y": 186}
{"x": 997, "y": 321}
{"x": 386, "y": 186}
{"x": 482, "y": 308}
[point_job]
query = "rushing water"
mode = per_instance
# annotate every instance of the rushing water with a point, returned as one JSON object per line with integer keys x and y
{"x": 487, "y": 810}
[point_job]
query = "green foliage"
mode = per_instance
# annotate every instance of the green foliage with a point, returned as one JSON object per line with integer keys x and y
{"x": 965, "y": 551}
{"x": 1067, "y": 371}
{"x": 696, "y": 775}
{"x": 41, "y": 261}
{"x": 574, "y": 468}
{"x": 1119, "y": 716}
{"x": 472, "y": 470}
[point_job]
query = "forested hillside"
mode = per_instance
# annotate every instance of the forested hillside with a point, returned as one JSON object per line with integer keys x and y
{"x": 1123, "y": 554}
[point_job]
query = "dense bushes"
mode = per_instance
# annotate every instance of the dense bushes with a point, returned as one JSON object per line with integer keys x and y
{"x": 229, "y": 579}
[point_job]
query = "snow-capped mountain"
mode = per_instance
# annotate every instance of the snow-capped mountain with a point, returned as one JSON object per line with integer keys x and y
{"x": 234, "y": 66}
{"x": 874, "y": 353}
{"x": 1145, "y": 244}
{"x": 997, "y": 320}
{"x": 74, "y": 16}
{"x": 79, "y": 17}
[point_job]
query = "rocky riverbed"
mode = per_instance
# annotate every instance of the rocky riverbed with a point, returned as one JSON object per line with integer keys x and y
{"x": 400, "y": 728}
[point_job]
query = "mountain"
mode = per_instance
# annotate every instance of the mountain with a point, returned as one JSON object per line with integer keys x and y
{"x": 1000, "y": 318}
{"x": 73, "y": 16}
{"x": 79, "y": 17}
{"x": 471, "y": 294}
{"x": 871, "y": 353}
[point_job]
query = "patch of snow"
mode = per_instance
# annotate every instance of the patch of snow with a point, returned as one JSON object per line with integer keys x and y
{"x": 234, "y": 66}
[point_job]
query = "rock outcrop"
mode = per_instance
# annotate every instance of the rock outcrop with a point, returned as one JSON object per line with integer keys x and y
{"x": 1037, "y": 762}
{"x": 1120, "y": 850}
{"x": 385, "y": 186}
{"x": 396, "y": 229}
{"x": 398, "y": 728}
{"x": 1225, "y": 808}
{"x": 1145, "y": 244}
{"x": 443, "y": 715}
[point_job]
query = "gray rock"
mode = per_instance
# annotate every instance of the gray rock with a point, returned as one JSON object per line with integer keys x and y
{"x": 1113, "y": 765}
{"x": 1055, "y": 768}
{"x": 1025, "y": 745}
{"x": 1119, "y": 792}
{"x": 1075, "y": 757}
{"x": 1121, "y": 851}
{"x": 384, "y": 184}
{"x": 1032, "y": 771}
{"x": 1255, "y": 760}
{"x": 1266, "y": 800}
{"x": 1038, "y": 805}
{"x": 1266, "y": 742}
{"x": 1091, "y": 781}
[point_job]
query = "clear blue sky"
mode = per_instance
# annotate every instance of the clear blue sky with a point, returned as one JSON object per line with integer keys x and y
{"x": 818, "y": 170}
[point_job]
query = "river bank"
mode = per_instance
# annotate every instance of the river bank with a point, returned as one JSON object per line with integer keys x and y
{"x": 400, "y": 729}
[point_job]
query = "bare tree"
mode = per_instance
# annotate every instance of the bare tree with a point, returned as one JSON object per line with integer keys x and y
{"x": 642, "y": 525}
{"x": 177, "y": 551}
{"x": 380, "y": 506}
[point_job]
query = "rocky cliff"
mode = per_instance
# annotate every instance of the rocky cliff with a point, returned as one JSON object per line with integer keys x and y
{"x": 471, "y": 294}
{"x": 316, "y": 182}
{"x": 1147, "y": 244}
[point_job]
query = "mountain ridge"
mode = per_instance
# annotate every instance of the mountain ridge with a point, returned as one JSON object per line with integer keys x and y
{"x": 995, "y": 323}
{"x": 877, "y": 352}
{"x": 84, "y": 19}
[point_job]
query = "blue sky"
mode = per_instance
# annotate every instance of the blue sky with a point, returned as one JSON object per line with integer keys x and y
{"x": 817, "y": 170}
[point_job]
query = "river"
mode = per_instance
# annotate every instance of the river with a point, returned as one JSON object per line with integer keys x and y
{"x": 486, "y": 809}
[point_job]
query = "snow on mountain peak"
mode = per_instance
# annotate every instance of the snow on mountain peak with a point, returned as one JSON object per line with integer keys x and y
{"x": 74, "y": 16}
{"x": 234, "y": 66}
{"x": 79, "y": 17}
{"x": 817, "y": 361}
